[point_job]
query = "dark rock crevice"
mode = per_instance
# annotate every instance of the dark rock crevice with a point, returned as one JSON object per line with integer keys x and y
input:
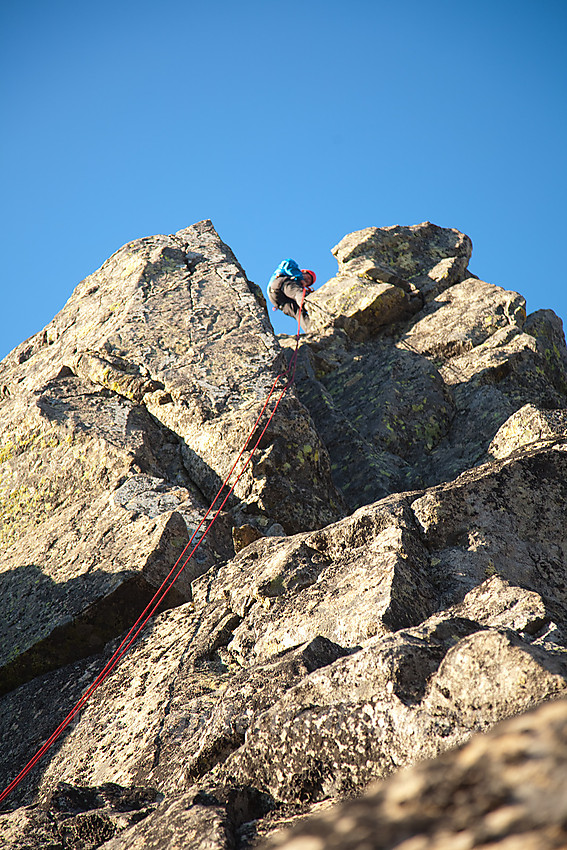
{"x": 85, "y": 634}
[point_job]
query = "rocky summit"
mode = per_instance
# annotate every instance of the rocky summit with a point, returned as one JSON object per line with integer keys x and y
{"x": 369, "y": 647}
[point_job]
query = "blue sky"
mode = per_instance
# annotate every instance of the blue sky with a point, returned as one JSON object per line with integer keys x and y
{"x": 289, "y": 124}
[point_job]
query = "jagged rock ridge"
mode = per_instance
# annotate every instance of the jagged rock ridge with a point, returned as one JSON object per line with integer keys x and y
{"x": 405, "y": 584}
{"x": 119, "y": 422}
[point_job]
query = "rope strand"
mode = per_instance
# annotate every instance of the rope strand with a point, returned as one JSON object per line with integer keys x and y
{"x": 170, "y": 579}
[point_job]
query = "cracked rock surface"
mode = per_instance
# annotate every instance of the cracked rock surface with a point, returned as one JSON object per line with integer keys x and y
{"x": 505, "y": 790}
{"x": 118, "y": 423}
{"x": 386, "y": 586}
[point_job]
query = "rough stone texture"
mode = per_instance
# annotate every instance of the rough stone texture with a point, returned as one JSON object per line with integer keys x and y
{"x": 95, "y": 510}
{"x": 115, "y": 420}
{"x": 77, "y": 818}
{"x": 498, "y": 519}
{"x": 348, "y": 582}
{"x": 528, "y": 426}
{"x": 385, "y": 274}
{"x": 429, "y": 257}
{"x": 418, "y": 686}
{"x": 505, "y": 790}
{"x": 360, "y": 306}
{"x": 400, "y": 699}
{"x": 191, "y": 820}
{"x": 420, "y": 392}
{"x": 331, "y": 650}
{"x": 173, "y": 321}
{"x": 165, "y": 716}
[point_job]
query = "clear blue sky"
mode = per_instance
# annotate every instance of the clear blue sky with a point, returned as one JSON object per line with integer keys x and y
{"x": 289, "y": 124}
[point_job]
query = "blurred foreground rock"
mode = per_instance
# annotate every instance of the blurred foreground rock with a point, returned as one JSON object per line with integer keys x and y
{"x": 505, "y": 789}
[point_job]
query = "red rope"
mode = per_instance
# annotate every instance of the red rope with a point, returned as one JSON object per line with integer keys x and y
{"x": 168, "y": 582}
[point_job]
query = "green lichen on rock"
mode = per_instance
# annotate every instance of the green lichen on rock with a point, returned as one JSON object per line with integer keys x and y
{"x": 309, "y": 663}
{"x": 488, "y": 360}
{"x": 22, "y": 508}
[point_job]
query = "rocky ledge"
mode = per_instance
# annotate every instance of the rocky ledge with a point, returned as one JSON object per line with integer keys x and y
{"x": 386, "y": 584}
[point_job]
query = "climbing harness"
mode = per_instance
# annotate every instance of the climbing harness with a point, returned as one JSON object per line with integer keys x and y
{"x": 288, "y": 375}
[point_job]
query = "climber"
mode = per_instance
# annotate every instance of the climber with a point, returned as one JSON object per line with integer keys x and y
{"x": 285, "y": 290}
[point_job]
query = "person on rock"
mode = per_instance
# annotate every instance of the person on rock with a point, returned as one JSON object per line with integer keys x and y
{"x": 285, "y": 290}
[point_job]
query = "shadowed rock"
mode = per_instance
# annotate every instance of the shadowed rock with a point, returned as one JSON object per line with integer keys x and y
{"x": 331, "y": 650}
{"x": 116, "y": 419}
{"x": 418, "y": 387}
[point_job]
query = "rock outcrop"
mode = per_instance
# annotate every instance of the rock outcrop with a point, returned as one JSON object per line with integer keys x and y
{"x": 504, "y": 790}
{"x": 420, "y": 391}
{"x": 388, "y": 580}
{"x": 119, "y": 422}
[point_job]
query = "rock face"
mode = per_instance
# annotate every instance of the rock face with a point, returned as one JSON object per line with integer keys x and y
{"x": 119, "y": 422}
{"x": 417, "y": 363}
{"x": 388, "y": 580}
{"x": 503, "y": 790}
